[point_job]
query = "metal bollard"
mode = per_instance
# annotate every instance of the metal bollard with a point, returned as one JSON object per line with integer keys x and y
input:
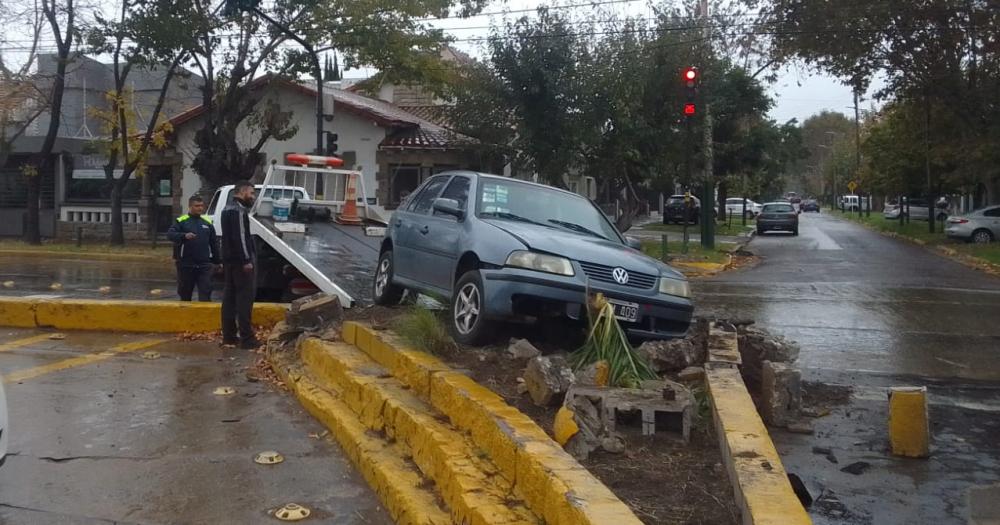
{"x": 909, "y": 427}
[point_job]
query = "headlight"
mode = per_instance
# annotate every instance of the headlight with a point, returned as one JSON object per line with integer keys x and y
{"x": 677, "y": 287}
{"x": 540, "y": 262}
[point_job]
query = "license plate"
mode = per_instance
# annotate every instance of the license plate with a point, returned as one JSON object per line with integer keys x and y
{"x": 625, "y": 311}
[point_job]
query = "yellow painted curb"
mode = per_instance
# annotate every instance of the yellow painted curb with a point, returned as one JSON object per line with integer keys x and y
{"x": 554, "y": 485}
{"x": 466, "y": 481}
{"x": 397, "y": 483}
{"x": 909, "y": 428}
{"x": 703, "y": 268}
{"x": 760, "y": 483}
{"x": 57, "y": 254}
{"x": 125, "y": 316}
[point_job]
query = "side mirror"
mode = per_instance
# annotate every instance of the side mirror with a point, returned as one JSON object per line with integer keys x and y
{"x": 449, "y": 207}
{"x": 633, "y": 243}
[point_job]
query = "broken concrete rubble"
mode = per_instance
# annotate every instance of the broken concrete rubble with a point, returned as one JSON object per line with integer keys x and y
{"x": 781, "y": 394}
{"x": 548, "y": 378}
{"x": 672, "y": 355}
{"x": 522, "y": 349}
{"x": 646, "y": 409}
{"x": 691, "y": 374}
{"x": 595, "y": 374}
{"x": 314, "y": 312}
{"x": 756, "y": 346}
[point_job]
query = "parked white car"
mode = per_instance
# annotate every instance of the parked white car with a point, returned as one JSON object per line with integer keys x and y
{"x": 980, "y": 226}
{"x": 4, "y": 429}
{"x": 734, "y": 206}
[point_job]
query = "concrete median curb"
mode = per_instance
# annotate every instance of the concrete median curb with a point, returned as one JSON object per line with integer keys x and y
{"x": 97, "y": 256}
{"x": 520, "y": 457}
{"x": 125, "y": 316}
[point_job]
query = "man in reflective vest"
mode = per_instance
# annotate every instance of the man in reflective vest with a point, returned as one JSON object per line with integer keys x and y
{"x": 196, "y": 251}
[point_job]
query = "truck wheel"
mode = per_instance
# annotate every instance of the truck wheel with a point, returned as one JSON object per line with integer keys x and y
{"x": 469, "y": 325}
{"x": 383, "y": 291}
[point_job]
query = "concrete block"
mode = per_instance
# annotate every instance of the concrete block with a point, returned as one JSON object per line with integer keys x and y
{"x": 548, "y": 378}
{"x": 909, "y": 426}
{"x": 781, "y": 394}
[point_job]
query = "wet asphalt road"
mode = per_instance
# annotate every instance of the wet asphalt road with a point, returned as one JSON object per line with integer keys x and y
{"x": 84, "y": 278}
{"x": 122, "y": 439}
{"x": 871, "y": 312}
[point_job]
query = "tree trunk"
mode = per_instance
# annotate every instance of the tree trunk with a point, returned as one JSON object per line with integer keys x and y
{"x": 32, "y": 232}
{"x": 117, "y": 228}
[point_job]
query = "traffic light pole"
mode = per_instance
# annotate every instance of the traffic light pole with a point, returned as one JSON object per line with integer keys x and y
{"x": 317, "y": 72}
{"x": 708, "y": 201}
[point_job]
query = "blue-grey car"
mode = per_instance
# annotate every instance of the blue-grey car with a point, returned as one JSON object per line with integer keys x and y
{"x": 502, "y": 249}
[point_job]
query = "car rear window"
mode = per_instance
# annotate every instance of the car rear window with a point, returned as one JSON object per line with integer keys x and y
{"x": 778, "y": 208}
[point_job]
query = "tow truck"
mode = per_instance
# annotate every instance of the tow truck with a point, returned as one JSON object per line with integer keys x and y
{"x": 328, "y": 243}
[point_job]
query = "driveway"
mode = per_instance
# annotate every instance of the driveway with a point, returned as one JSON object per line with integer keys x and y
{"x": 870, "y": 313}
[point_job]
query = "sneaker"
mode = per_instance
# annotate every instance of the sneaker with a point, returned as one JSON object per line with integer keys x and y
{"x": 252, "y": 344}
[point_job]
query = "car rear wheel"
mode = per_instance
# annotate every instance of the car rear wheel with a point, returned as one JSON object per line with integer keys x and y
{"x": 383, "y": 291}
{"x": 469, "y": 325}
{"x": 982, "y": 236}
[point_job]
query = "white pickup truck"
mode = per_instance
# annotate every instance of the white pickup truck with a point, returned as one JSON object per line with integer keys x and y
{"x": 311, "y": 251}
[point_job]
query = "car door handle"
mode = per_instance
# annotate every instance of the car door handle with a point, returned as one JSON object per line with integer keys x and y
{"x": 425, "y": 229}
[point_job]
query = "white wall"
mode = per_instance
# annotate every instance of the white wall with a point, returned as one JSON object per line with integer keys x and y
{"x": 355, "y": 134}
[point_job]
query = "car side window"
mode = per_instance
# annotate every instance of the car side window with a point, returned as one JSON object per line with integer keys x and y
{"x": 422, "y": 203}
{"x": 214, "y": 203}
{"x": 457, "y": 190}
{"x": 992, "y": 212}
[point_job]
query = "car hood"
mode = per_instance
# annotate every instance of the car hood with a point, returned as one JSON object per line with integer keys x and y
{"x": 581, "y": 247}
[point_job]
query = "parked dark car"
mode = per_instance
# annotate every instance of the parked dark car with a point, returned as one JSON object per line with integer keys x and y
{"x": 777, "y": 216}
{"x": 675, "y": 207}
{"x": 809, "y": 205}
{"x": 502, "y": 249}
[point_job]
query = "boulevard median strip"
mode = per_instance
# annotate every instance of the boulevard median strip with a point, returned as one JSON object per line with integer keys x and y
{"x": 31, "y": 373}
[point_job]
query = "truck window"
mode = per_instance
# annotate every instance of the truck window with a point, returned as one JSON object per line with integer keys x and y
{"x": 215, "y": 202}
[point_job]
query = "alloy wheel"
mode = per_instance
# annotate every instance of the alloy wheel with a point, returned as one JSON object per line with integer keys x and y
{"x": 467, "y": 308}
{"x": 382, "y": 278}
{"x": 982, "y": 237}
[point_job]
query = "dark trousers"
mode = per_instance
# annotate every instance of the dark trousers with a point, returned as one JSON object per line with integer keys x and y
{"x": 237, "y": 303}
{"x": 189, "y": 276}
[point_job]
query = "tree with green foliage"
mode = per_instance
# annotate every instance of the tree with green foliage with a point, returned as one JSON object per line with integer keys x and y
{"x": 234, "y": 48}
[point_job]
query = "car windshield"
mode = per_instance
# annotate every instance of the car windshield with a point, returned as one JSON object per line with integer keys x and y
{"x": 676, "y": 199}
{"x": 516, "y": 201}
{"x": 778, "y": 208}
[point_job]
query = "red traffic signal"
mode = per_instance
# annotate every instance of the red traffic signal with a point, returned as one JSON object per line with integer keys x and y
{"x": 690, "y": 76}
{"x": 689, "y": 110}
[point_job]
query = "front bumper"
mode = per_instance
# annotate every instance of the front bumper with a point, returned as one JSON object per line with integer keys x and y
{"x": 509, "y": 289}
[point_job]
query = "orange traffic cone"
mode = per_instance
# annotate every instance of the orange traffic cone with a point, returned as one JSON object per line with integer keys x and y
{"x": 349, "y": 215}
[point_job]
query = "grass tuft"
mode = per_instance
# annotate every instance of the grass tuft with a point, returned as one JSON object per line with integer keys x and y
{"x": 423, "y": 330}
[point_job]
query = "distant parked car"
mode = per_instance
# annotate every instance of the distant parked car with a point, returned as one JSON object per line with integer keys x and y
{"x": 918, "y": 209}
{"x": 675, "y": 210}
{"x": 503, "y": 249}
{"x": 4, "y": 428}
{"x": 793, "y": 197}
{"x": 734, "y": 207}
{"x": 809, "y": 205}
{"x": 778, "y": 216}
{"x": 981, "y": 226}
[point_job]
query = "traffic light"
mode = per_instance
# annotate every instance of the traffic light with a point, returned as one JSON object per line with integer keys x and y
{"x": 690, "y": 79}
{"x": 331, "y": 142}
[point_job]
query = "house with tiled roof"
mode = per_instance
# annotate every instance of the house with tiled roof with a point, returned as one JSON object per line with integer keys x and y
{"x": 394, "y": 149}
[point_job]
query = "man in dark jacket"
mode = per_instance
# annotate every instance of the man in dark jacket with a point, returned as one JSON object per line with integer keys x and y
{"x": 196, "y": 251}
{"x": 239, "y": 261}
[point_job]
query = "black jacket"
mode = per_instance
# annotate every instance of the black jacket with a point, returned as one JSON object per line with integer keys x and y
{"x": 237, "y": 241}
{"x": 203, "y": 249}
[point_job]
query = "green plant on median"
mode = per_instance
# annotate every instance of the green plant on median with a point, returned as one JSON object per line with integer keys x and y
{"x": 695, "y": 252}
{"x": 606, "y": 341}
{"x": 421, "y": 329}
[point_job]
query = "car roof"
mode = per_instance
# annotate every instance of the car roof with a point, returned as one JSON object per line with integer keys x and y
{"x": 786, "y": 203}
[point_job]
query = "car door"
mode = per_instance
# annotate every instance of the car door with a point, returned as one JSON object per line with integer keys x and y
{"x": 442, "y": 238}
{"x": 992, "y": 216}
{"x": 407, "y": 225}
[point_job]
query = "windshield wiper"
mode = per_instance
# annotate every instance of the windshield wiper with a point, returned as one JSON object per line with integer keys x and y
{"x": 511, "y": 216}
{"x": 577, "y": 228}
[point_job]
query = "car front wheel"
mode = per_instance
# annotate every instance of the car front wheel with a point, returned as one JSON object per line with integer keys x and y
{"x": 383, "y": 291}
{"x": 469, "y": 325}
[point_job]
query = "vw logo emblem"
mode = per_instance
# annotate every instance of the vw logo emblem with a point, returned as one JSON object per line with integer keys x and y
{"x": 620, "y": 275}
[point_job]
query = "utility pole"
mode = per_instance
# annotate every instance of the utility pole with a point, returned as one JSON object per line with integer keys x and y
{"x": 931, "y": 203}
{"x": 708, "y": 199}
